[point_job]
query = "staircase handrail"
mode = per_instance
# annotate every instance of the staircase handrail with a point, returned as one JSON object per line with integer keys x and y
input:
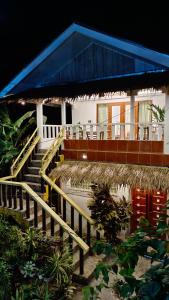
{"x": 51, "y": 212}
{"x": 48, "y": 156}
{"x": 45, "y": 163}
{"x": 19, "y": 162}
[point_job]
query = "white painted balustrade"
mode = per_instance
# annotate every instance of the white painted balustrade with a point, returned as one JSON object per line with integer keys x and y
{"x": 114, "y": 131}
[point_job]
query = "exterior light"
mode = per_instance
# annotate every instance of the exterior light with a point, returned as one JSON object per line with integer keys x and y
{"x": 23, "y": 102}
{"x": 158, "y": 193}
{"x": 84, "y": 156}
{"x": 138, "y": 190}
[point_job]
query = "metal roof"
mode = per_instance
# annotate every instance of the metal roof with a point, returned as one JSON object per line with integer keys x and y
{"x": 70, "y": 57}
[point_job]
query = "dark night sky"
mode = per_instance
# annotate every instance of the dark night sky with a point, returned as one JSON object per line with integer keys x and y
{"x": 26, "y": 27}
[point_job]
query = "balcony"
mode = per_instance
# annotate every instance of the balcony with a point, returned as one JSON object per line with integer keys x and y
{"x": 141, "y": 144}
{"x": 113, "y": 131}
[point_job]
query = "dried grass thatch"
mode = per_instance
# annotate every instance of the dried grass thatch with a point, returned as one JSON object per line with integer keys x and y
{"x": 145, "y": 177}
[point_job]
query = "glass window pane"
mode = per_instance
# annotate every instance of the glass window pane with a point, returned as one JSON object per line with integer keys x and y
{"x": 145, "y": 115}
{"x": 102, "y": 113}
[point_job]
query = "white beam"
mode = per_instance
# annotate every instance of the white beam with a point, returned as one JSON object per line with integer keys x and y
{"x": 39, "y": 119}
{"x": 166, "y": 124}
{"x": 63, "y": 113}
{"x": 132, "y": 115}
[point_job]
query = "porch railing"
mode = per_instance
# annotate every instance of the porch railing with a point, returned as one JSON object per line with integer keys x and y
{"x": 113, "y": 131}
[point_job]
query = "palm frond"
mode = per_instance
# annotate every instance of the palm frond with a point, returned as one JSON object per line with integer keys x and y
{"x": 20, "y": 121}
{"x": 4, "y": 115}
{"x": 157, "y": 112}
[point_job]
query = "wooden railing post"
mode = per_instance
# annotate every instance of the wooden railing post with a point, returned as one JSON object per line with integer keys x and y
{"x": 35, "y": 214}
{"x": 20, "y": 195}
{"x": 27, "y": 206}
{"x": 84, "y": 132}
{"x": 43, "y": 221}
{"x": 91, "y": 132}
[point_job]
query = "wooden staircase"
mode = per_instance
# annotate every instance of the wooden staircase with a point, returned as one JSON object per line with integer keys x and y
{"x": 33, "y": 179}
{"x": 32, "y": 176}
{"x": 60, "y": 217}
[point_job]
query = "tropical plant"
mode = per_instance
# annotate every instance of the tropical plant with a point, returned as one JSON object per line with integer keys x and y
{"x": 145, "y": 242}
{"x": 12, "y": 134}
{"x": 158, "y": 113}
{"x": 5, "y": 277}
{"x": 60, "y": 266}
{"x": 110, "y": 215}
{"x": 31, "y": 266}
{"x": 33, "y": 292}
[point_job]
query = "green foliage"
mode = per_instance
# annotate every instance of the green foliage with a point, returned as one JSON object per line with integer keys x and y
{"x": 145, "y": 242}
{"x": 109, "y": 214}
{"x": 27, "y": 292}
{"x": 60, "y": 266}
{"x": 13, "y": 134}
{"x": 5, "y": 277}
{"x": 14, "y": 217}
{"x": 158, "y": 113}
{"x": 31, "y": 266}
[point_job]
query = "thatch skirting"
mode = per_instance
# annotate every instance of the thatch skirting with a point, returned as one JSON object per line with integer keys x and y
{"x": 144, "y": 177}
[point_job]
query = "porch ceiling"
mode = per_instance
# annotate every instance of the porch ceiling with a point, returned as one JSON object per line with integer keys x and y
{"x": 144, "y": 177}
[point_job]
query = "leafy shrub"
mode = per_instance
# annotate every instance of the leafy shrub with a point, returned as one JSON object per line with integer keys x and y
{"x": 5, "y": 279}
{"x": 145, "y": 242}
{"x": 12, "y": 136}
{"x": 31, "y": 266}
{"x": 110, "y": 215}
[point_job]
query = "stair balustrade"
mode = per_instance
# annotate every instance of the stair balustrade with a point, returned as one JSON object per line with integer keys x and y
{"x": 19, "y": 196}
{"x": 61, "y": 202}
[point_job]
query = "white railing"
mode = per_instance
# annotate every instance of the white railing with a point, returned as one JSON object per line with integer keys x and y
{"x": 113, "y": 131}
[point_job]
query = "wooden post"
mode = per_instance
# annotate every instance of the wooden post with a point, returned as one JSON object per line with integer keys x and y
{"x": 132, "y": 95}
{"x": 166, "y": 122}
{"x": 39, "y": 120}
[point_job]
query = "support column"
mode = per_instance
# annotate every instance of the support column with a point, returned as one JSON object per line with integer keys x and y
{"x": 166, "y": 123}
{"x": 132, "y": 113}
{"x": 39, "y": 120}
{"x": 132, "y": 116}
{"x": 63, "y": 113}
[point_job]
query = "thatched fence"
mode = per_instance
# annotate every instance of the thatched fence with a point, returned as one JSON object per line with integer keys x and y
{"x": 146, "y": 177}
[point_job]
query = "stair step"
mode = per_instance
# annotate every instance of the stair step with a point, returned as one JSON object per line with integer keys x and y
{"x": 38, "y": 156}
{"x": 32, "y": 178}
{"x": 36, "y": 163}
{"x": 33, "y": 170}
{"x": 35, "y": 186}
{"x": 42, "y": 151}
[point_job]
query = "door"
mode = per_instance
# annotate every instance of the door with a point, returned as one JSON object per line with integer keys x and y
{"x": 120, "y": 113}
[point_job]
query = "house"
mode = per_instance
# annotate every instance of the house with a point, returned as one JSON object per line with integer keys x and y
{"x": 103, "y": 87}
